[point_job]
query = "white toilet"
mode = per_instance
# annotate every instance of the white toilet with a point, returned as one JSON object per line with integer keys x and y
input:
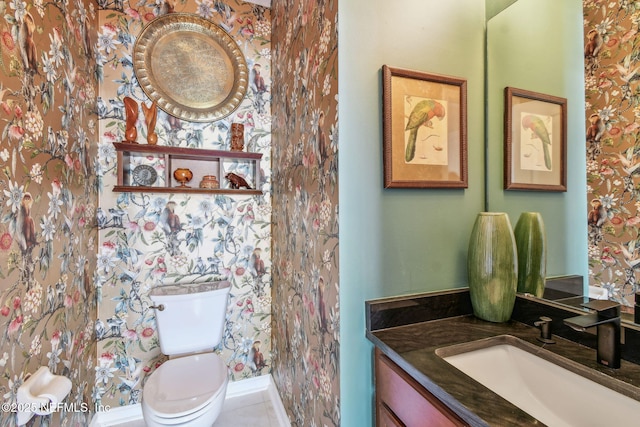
{"x": 189, "y": 388}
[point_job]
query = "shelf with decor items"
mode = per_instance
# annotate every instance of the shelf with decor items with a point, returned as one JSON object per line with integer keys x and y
{"x": 152, "y": 169}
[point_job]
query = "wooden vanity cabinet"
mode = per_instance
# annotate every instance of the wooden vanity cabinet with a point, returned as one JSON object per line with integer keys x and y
{"x": 402, "y": 401}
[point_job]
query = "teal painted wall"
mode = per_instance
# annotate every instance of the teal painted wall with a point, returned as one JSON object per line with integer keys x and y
{"x": 537, "y": 45}
{"x": 398, "y": 241}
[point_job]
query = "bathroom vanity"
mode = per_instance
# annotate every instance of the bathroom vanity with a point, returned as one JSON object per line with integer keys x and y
{"x": 416, "y": 386}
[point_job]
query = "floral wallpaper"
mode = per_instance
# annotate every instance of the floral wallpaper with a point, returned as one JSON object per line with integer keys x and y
{"x": 613, "y": 109}
{"x": 217, "y": 236}
{"x": 305, "y": 231}
{"x": 48, "y": 199}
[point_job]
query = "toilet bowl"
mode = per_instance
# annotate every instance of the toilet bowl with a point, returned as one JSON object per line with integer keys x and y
{"x": 189, "y": 388}
{"x": 186, "y": 391}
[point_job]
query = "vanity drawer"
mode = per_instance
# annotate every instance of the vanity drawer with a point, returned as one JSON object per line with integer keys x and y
{"x": 386, "y": 417}
{"x": 402, "y": 401}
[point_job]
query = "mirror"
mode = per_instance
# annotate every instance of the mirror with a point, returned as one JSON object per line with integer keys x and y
{"x": 537, "y": 45}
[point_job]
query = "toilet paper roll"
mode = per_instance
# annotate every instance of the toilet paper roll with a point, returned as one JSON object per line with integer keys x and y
{"x": 53, "y": 393}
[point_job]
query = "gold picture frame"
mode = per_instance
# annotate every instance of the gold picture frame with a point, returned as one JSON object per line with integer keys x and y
{"x": 424, "y": 129}
{"x": 191, "y": 67}
{"x": 535, "y": 149}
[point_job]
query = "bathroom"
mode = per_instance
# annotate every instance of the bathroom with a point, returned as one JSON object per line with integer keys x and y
{"x": 380, "y": 254}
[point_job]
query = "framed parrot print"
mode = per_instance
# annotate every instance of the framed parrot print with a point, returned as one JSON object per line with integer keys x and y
{"x": 535, "y": 149}
{"x": 424, "y": 129}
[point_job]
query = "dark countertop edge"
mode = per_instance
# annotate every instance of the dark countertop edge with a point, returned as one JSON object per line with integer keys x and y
{"x": 404, "y": 310}
{"x": 512, "y": 414}
{"x": 414, "y": 347}
{"x": 522, "y": 314}
{"x": 386, "y": 312}
{"x": 451, "y": 402}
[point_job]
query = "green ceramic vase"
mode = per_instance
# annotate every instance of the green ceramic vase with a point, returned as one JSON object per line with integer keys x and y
{"x": 531, "y": 242}
{"x": 492, "y": 266}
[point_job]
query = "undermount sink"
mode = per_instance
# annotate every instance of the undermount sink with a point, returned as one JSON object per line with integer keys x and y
{"x": 553, "y": 389}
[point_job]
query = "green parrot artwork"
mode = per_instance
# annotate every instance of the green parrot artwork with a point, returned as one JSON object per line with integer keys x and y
{"x": 421, "y": 115}
{"x": 539, "y": 130}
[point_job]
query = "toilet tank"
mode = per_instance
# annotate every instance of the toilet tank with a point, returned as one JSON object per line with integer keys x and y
{"x": 193, "y": 317}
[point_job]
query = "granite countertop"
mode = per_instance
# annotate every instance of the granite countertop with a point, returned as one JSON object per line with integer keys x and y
{"x": 413, "y": 347}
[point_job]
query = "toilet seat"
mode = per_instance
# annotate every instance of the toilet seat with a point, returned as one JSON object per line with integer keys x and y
{"x": 183, "y": 388}
{"x": 186, "y": 420}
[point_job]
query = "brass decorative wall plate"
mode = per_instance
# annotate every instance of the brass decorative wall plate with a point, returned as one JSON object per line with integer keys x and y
{"x": 191, "y": 67}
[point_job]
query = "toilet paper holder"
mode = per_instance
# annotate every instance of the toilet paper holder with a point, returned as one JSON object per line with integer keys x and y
{"x": 40, "y": 394}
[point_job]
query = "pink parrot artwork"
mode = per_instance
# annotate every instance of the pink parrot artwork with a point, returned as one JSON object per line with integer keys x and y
{"x": 421, "y": 115}
{"x": 539, "y": 131}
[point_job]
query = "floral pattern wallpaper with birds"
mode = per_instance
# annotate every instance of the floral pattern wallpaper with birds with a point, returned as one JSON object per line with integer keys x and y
{"x": 77, "y": 261}
{"x": 150, "y": 239}
{"x": 306, "y": 307}
{"x": 612, "y": 64}
{"x": 48, "y": 199}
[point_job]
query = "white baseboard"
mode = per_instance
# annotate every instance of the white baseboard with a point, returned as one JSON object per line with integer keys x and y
{"x": 124, "y": 414}
{"x": 281, "y": 413}
{"x": 248, "y": 386}
{"x": 117, "y": 415}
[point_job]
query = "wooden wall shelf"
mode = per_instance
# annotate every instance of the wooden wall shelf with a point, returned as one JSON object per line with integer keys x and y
{"x": 201, "y": 162}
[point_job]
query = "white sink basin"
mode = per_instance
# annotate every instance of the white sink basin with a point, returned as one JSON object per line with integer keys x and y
{"x": 535, "y": 380}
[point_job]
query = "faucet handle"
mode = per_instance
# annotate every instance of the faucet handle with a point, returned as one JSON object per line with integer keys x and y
{"x": 544, "y": 324}
{"x": 543, "y": 320}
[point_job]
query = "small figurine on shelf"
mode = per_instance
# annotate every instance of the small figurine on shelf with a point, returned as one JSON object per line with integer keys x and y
{"x": 131, "y": 116}
{"x": 150, "y": 117}
{"x": 183, "y": 175}
{"x": 237, "y": 137}
{"x": 237, "y": 181}
{"x": 209, "y": 182}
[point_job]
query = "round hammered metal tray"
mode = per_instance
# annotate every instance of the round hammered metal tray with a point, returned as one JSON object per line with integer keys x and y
{"x": 191, "y": 67}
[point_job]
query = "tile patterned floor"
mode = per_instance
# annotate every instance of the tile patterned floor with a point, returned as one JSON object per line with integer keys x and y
{"x": 250, "y": 410}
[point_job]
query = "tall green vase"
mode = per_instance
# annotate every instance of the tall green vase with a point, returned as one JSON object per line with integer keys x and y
{"x": 492, "y": 267}
{"x": 531, "y": 241}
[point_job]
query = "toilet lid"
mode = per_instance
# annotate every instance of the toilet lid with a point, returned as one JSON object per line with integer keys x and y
{"x": 185, "y": 385}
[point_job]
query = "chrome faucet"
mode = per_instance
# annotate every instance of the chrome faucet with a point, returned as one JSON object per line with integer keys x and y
{"x": 607, "y": 319}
